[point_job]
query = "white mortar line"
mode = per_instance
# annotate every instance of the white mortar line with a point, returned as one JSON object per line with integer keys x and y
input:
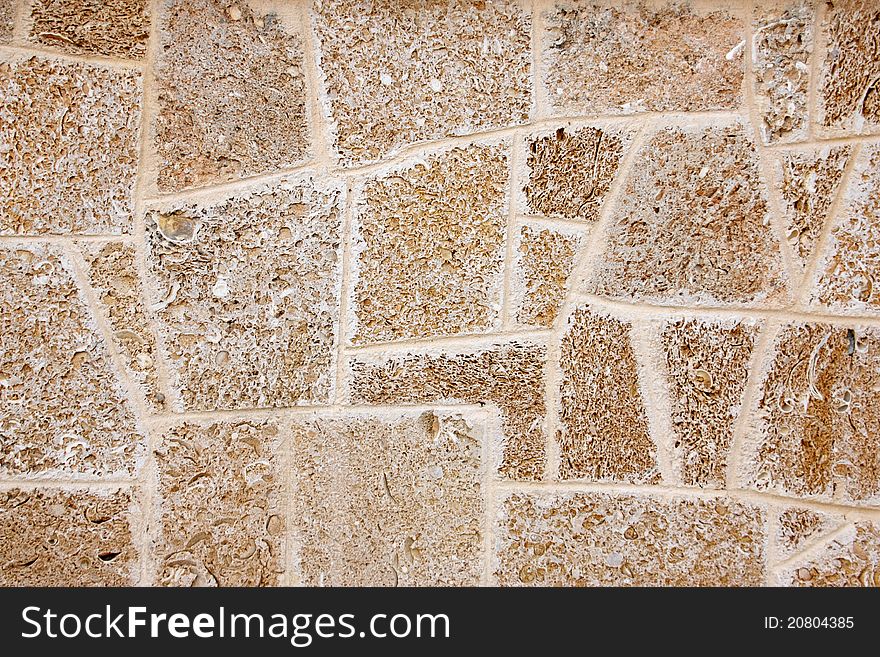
{"x": 51, "y": 482}
{"x": 345, "y": 291}
{"x": 69, "y": 58}
{"x": 813, "y": 83}
{"x": 68, "y": 238}
{"x": 461, "y": 340}
{"x": 488, "y": 487}
{"x": 540, "y": 102}
{"x": 320, "y": 133}
{"x": 20, "y": 21}
{"x": 513, "y": 183}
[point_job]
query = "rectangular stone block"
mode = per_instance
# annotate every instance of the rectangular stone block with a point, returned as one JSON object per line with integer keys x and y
{"x": 7, "y": 19}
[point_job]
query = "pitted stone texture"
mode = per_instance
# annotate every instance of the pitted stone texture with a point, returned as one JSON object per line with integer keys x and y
{"x": 782, "y": 50}
{"x": 113, "y": 275}
{"x": 604, "y": 434}
{"x": 707, "y": 363}
{"x": 66, "y": 538}
{"x": 114, "y": 28}
{"x": 62, "y": 408}
{"x": 808, "y": 184}
{"x": 596, "y": 539}
{"x": 389, "y": 502}
{"x": 818, "y": 428}
{"x": 692, "y": 224}
{"x": 399, "y": 73}
{"x": 851, "y": 559}
{"x": 429, "y": 247}
{"x": 570, "y": 172}
{"x": 849, "y": 278}
{"x": 545, "y": 260}
{"x": 246, "y": 292}
{"x": 220, "y": 517}
{"x": 624, "y": 57}
{"x": 849, "y": 95}
{"x": 796, "y": 527}
{"x": 231, "y": 93}
{"x": 69, "y": 147}
{"x": 7, "y": 19}
{"x": 511, "y": 376}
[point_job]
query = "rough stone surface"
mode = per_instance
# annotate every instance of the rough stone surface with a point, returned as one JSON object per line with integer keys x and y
{"x": 398, "y": 73}
{"x": 220, "y": 509}
{"x": 429, "y": 247}
{"x": 707, "y": 363}
{"x": 796, "y": 527}
{"x": 545, "y": 260}
{"x": 692, "y": 223}
{"x": 114, "y": 28}
{"x": 7, "y": 19}
{"x": 510, "y": 376}
{"x": 604, "y": 434}
{"x": 817, "y": 427}
{"x": 624, "y": 57}
{"x": 389, "y": 502}
{"x": 596, "y": 539}
{"x": 851, "y": 559}
{"x": 69, "y": 154}
{"x": 66, "y": 538}
{"x": 231, "y": 92}
{"x": 62, "y": 408}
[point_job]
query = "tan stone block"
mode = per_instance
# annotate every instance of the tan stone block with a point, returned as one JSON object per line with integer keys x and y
{"x": 598, "y": 539}
{"x": 510, "y": 376}
{"x": 429, "y": 246}
{"x": 114, "y": 28}
{"x": 707, "y": 363}
{"x": 66, "y": 538}
{"x": 604, "y": 434}
{"x": 817, "y": 429}
{"x": 796, "y": 527}
{"x": 851, "y": 559}
{"x": 69, "y": 135}
{"x": 7, "y": 19}
{"x": 62, "y": 407}
{"x": 399, "y": 73}
{"x": 246, "y": 291}
{"x": 620, "y": 57}
{"x": 231, "y": 92}
{"x": 389, "y": 502}
{"x": 220, "y": 520}
{"x": 692, "y": 224}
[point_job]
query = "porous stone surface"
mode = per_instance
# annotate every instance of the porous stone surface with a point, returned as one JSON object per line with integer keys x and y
{"x": 398, "y": 73}
{"x": 796, "y": 527}
{"x": 691, "y": 226}
{"x": 621, "y": 57}
{"x": 707, "y": 364}
{"x": 510, "y": 376}
{"x": 429, "y": 246}
{"x": 598, "y": 539}
{"x": 69, "y": 147}
{"x": 850, "y": 559}
{"x": 66, "y": 538}
{"x": 231, "y": 92}
{"x": 246, "y": 293}
{"x": 7, "y": 19}
{"x": 114, "y": 28}
{"x": 389, "y": 502}
{"x": 62, "y": 407}
{"x": 604, "y": 433}
{"x": 220, "y": 510}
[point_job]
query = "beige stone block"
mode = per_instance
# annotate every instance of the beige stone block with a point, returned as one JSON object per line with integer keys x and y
{"x": 220, "y": 517}
{"x": 246, "y": 290}
{"x": 231, "y": 92}
{"x": 63, "y": 410}
{"x": 851, "y": 559}
{"x": 67, "y": 538}
{"x": 509, "y": 376}
{"x": 113, "y": 28}
{"x": 7, "y": 19}
{"x": 429, "y": 247}
{"x": 621, "y": 57}
{"x": 797, "y": 527}
{"x": 400, "y": 73}
{"x": 598, "y": 539}
{"x": 389, "y": 502}
{"x": 70, "y": 156}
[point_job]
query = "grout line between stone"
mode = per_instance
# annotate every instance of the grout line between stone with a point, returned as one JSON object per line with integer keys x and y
{"x": 813, "y": 83}
{"x": 510, "y": 233}
{"x": 59, "y": 55}
{"x": 462, "y": 340}
{"x": 67, "y": 238}
{"x": 344, "y": 293}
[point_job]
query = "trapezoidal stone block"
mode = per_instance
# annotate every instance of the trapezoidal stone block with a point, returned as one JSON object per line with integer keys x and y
{"x": 510, "y": 376}
{"x": 246, "y": 292}
{"x": 231, "y": 92}
{"x": 220, "y": 509}
{"x": 63, "y": 411}
{"x": 692, "y": 224}
{"x": 613, "y": 57}
{"x": 795, "y": 528}
{"x": 389, "y": 501}
{"x": 851, "y": 559}
{"x": 428, "y": 246}
{"x": 598, "y": 539}
{"x": 67, "y": 538}
{"x": 69, "y": 147}
{"x": 400, "y": 73}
